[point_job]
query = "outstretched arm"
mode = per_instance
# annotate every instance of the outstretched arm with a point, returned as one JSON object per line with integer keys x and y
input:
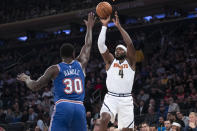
{"x": 107, "y": 56}
{"x": 130, "y": 48}
{"x": 49, "y": 74}
{"x": 85, "y": 51}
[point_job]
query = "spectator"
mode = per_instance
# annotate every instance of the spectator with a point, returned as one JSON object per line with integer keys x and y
{"x": 173, "y": 107}
{"x": 141, "y": 109}
{"x": 145, "y": 127}
{"x": 160, "y": 125}
{"x": 192, "y": 122}
{"x": 142, "y": 96}
{"x": 47, "y": 93}
{"x": 151, "y": 117}
{"x": 185, "y": 119}
{"x": 139, "y": 58}
{"x": 152, "y": 104}
{"x": 167, "y": 125}
{"x": 99, "y": 85}
{"x": 163, "y": 111}
{"x": 9, "y": 116}
{"x": 2, "y": 116}
{"x": 25, "y": 116}
{"x": 32, "y": 115}
{"x": 88, "y": 119}
{"x": 176, "y": 126}
{"x": 173, "y": 118}
{"x": 42, "y": 124}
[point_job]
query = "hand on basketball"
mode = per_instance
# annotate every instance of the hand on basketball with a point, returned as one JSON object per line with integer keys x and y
{"x": 91, "y": 20}
{"x": 23, "y": 77}
{"x": 116, "y": 20}
{"x": 105, "y": 21}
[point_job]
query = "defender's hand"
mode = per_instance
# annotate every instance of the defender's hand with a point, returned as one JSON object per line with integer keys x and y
{"x": 23, "y": 77}
{"x": 91, "y": 20}
{"x": 116, "y": 20}
{"x": 105, "y": 21}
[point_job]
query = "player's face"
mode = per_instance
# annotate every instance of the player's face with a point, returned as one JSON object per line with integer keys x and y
{"x": 120, "y": 54}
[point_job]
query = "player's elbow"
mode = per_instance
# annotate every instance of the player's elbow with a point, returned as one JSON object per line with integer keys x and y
{"x": 102, "y": 48}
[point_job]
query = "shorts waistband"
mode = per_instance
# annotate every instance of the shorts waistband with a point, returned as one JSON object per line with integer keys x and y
{"x": 119, "y": 94}
{"x": 70, "y": 101}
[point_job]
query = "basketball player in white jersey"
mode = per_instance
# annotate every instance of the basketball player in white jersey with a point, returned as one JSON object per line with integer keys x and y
{"x": 120, "y": 77}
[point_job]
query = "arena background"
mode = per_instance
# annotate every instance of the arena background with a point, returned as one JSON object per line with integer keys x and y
{"x": 164, "y": 34}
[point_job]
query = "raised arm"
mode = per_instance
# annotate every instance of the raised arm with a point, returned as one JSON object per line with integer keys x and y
{"x": 35, "y": 85}
{"x": 85, "y": 51}
{"x": 130, "y": 48}
{"x": 107, "y": 56}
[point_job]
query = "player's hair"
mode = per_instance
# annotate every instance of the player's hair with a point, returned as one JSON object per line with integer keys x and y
{"x": 66, "y": 50}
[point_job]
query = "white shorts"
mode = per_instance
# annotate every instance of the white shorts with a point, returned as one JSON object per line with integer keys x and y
{"x": 123, "y": 106}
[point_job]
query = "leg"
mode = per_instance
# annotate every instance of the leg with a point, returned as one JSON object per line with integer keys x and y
{"x": 126, "y": 115}
{"x": 127, "y": 129}
{"x": 79, "y": 119}
{"x": 108, "y": 112}
{"x": 105, "y": 118}
{"x": 61, "y": 117}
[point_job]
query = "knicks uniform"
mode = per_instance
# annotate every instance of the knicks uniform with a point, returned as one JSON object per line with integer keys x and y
{"x": 118, "y": 100}
{"x": 69, "y": 112}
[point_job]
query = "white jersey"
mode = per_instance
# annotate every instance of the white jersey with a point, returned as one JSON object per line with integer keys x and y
{"x": 120, "y": 77}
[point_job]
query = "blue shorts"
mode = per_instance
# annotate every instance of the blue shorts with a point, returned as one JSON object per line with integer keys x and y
{"x": 68, "y": 116}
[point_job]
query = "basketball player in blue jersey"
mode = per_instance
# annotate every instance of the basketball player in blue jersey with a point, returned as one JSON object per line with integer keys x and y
{"x": 69, "y": 81}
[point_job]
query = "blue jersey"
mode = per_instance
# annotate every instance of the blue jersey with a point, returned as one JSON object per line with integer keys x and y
{"x": 70, "y": 82}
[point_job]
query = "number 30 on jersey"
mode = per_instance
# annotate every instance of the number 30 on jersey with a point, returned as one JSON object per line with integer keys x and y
{"x": 73, "y": 86}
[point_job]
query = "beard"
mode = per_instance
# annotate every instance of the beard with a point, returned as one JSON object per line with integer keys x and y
{"x": 122, "y": 57}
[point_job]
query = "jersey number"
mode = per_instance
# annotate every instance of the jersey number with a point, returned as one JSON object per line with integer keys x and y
{"x": 73, "y": 86}
{"x": 121, "y": 73}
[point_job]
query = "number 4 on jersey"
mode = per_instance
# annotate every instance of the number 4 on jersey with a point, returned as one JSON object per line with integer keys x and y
{"x": 73, "y": 86}
{"x": 121, "y": 73}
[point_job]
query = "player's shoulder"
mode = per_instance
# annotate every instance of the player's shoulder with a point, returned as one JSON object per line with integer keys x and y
{"x": 54, "y": 68}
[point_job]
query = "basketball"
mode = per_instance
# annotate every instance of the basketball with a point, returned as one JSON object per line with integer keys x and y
{"x": 103, "y": 10}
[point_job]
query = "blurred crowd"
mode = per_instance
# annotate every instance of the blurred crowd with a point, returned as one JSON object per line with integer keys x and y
{"x": 164, "y": 91}
{"x": 15, "y": 10}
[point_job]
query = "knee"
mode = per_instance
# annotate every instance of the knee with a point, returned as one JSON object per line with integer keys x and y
{"x": 127, "y": 129}
{"x": 105, "y": 118}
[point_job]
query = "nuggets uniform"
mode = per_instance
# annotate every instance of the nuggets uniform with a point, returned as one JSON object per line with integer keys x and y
{"x": 69, "y": 112}
{"x": 118, "y": 100}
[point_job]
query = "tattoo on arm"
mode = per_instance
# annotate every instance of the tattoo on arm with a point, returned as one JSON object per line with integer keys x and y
{"x": 49, "y": 74}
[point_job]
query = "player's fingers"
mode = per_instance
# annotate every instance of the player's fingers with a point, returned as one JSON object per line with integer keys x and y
{"x": 92, "y": 15}
{"x": 18, "y": 77}
{"x": 108, "y": 18}
{"x": 114, "y": 20}
{"x": 85, "y": 21}
{"x": 116, "y": 13}
{"x": 89, "y": 14}
{"x": 95, "y": 19}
